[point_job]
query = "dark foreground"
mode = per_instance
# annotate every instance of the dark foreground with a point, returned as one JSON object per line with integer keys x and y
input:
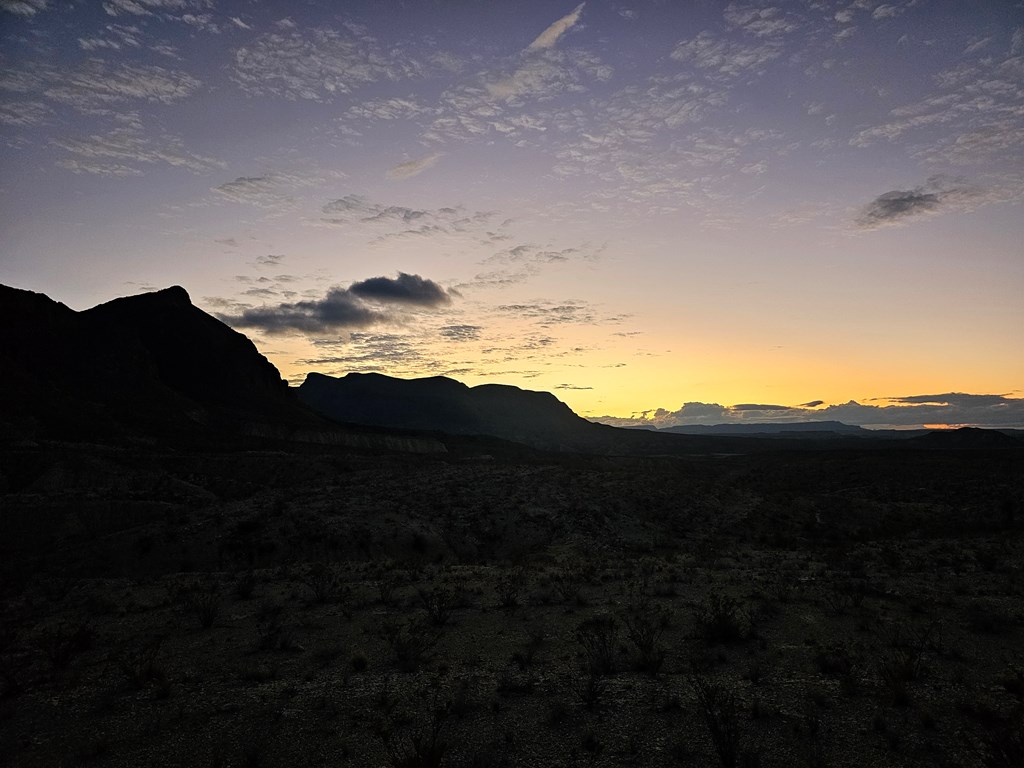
{"x": 275, "y": 605}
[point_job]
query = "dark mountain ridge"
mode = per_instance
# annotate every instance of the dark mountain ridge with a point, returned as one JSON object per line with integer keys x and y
{"x": 439, "y": 404}
{"x": 154, "y": 365}
{"x": 150, "y": 365}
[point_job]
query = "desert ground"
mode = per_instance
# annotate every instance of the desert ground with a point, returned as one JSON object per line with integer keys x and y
{"x": 260, "y": 603}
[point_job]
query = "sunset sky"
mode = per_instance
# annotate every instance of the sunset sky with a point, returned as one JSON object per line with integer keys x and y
{"x": 684, "y": 212}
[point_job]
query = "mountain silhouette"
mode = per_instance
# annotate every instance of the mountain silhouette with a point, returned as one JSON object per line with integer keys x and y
{"x": 439, "y": 404}
{"x": 147, "y": 362}
{"x": 154, "y": 365}
{"x": 815, "y": 429}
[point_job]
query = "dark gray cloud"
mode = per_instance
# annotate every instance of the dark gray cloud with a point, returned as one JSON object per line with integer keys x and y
{"x": 571, "y": 386}
{"x": 899, "y": 205}
{"x": 405, "y": 289}
{"x": 339, "y": 310}
{"x": 893, "y": 206}
{"x": 953, "y": 408}
{"x": 342, "y": 309}
{"x": 958, "y": 399}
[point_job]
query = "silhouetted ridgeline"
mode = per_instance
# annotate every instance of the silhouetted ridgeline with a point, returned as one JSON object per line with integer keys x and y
{"x": 154, "y": 365}
{"x": 151, "y": 364}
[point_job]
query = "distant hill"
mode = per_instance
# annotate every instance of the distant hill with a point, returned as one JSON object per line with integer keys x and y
{"x": 965, "y": 439}
{"x": 444, "y": 405}
{"x": 815, "y": 429}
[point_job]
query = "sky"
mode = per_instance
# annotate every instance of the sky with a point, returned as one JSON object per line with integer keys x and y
{"x": 662, "y": 212}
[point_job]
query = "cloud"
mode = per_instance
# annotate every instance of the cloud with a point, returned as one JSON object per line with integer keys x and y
{"x": 893, "y": 206}
{"x": 22, "y": 114}
{"x": 23, "y": 7}
{"x": 372, "y": 302}
{"x": 728, "y": 58}
{"x": 254, "y": 190}
{"x": 886, "y": 12}
{"x": 338, "y": 310}
{"x": 116, "y": 37}
{"x": 402, "y": 221}
{"x": 757, "y": 21}
{"x": 97, "y": 169}
{"x": 571, "y": 386}
{"x": 104, "y": 154}
{"x": 953, "y": 408}
{"x": 319, "y": 64}
{"x": 547, "y": 313}
{"x": 412, "y": 168}
{"x": 897, "y": 206}
{"x": 405, "y": 289}
{"x": 97, "y": 83}
{"x": 460, "y": 332}
{"x": 549, "y": 36}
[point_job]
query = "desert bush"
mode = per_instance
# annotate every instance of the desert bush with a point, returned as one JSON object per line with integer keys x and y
{"x": 524, "y": 657}
{"x": 427, "y": 746}
{"x": 387, "y": 585}
{"x": 323, "y": 582}
{"x": 904, "y": 661}
{"x": 139, "y": 665}
{"x": 438, "y": 602}
{"x": 272, "y": 631}
{"x": 1001, "y": 741}
{"x": 644, "y": 630}
{"x": 840, "y": 661}
{"x": 244, "y": 585}
{"x": 410, "y": 642}
{"x": 568, "y": 583}
{"x": 598, "y": 637}
{"x": 720, "y": 619}
{"x": 720, "y": 713}
{"x": 510, "y": 588}
{"x": 202, "y": 601}
{"x": 988, "y": 618}
{"x": 590, "y": 688}
{"x": 63, "y": 642}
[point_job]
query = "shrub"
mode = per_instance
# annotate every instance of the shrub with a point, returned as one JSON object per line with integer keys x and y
{"x": 438, "y": 603}
{"x": 644, "y": 631}
{"x": 720, "y": 620}
{"x": 720, "y": 713}
{"x": 322, "y": 581}
{"x": 244, "y": 585}
{"x": 410, "y": 642}
{"x": 139, "y": 665}
{"x": 272, "y": 633}
{"x": 202, "y": 601}
{"x": 62, "y": 643}
{"x": 425, "y": 748}
{"x": 599, "y": 637}
{"x": 509, "y": 588}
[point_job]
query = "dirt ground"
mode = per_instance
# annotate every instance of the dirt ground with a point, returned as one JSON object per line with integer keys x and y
{"x": 292, "y": 606}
